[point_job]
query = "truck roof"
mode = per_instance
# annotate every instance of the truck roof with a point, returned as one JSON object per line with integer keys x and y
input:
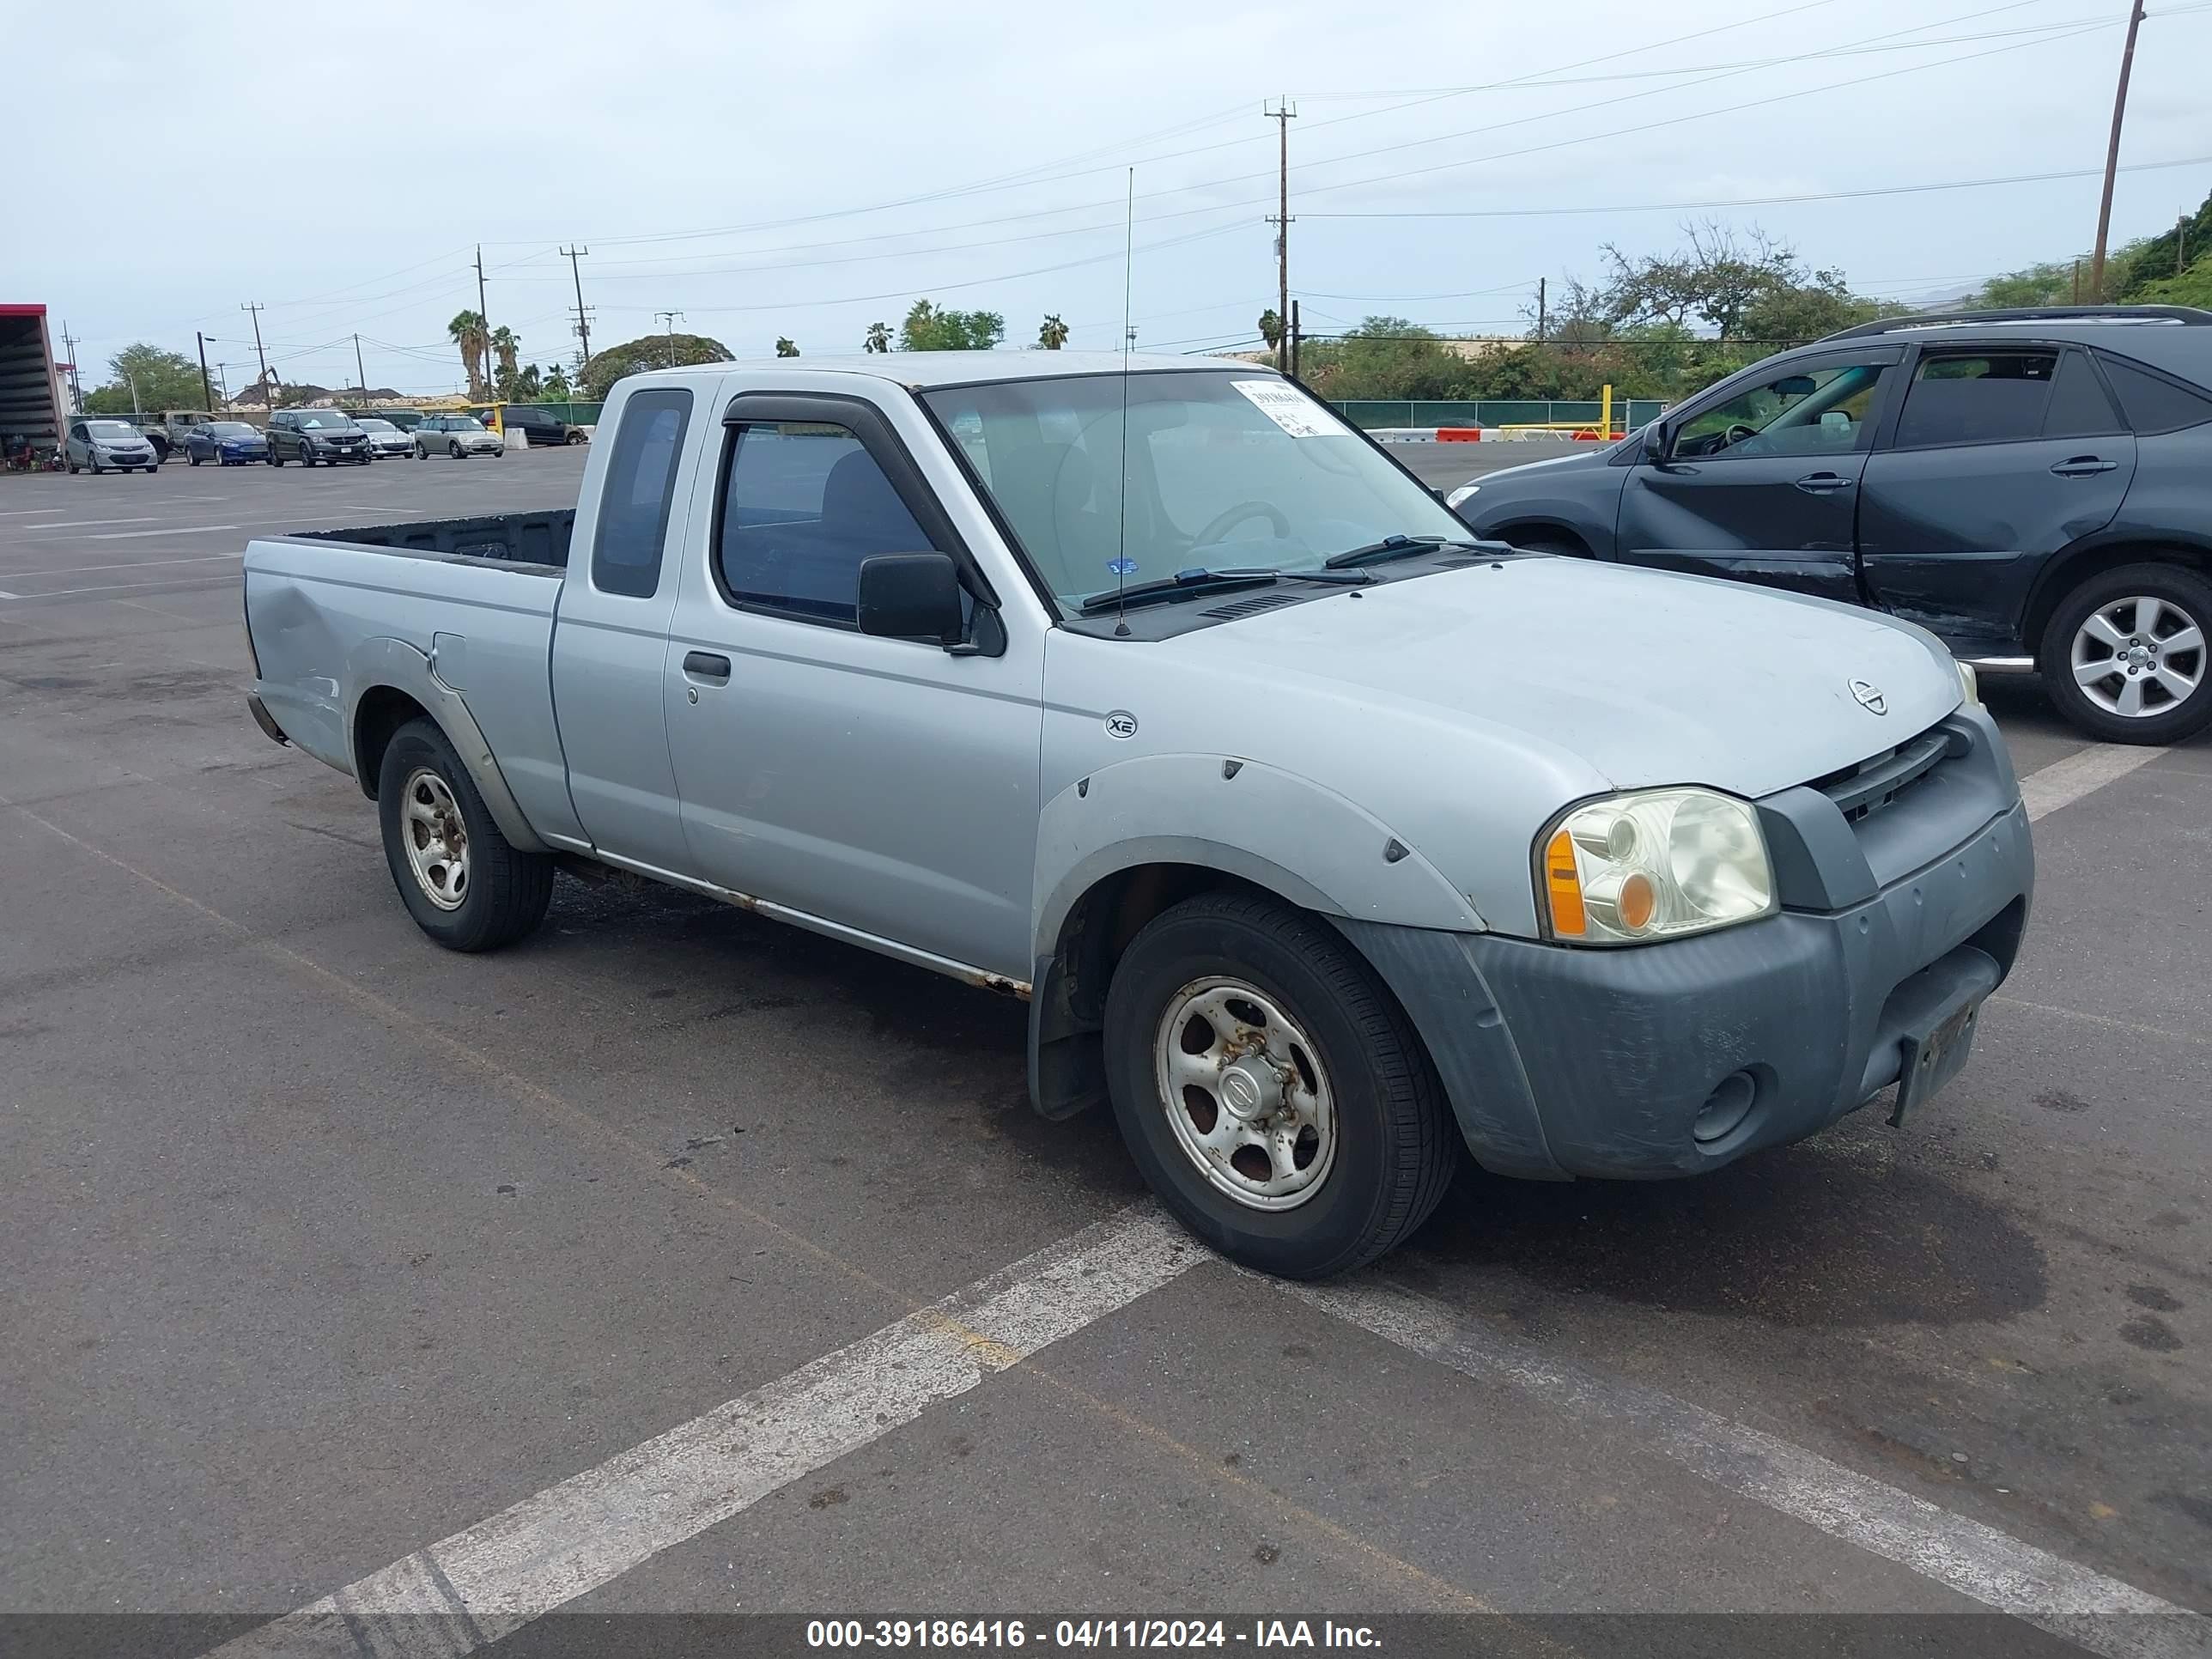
{"x": 922, "y": 368}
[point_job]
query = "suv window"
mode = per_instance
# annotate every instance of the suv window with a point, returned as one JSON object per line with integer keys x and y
{"x": 1819, "y": 410}
{"x": 1979, "y": 398}
{"x": 633, "y": 502}
{"x": 2155, "y": 405}
{"x": 802, "y": 504}
{"x": 2079, "y": 406}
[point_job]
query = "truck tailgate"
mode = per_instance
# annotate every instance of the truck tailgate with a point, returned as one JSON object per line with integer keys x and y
{"x": 326, "y": 617}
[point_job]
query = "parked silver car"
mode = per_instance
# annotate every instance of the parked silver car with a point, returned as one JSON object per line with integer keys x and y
{"x": 457, "y": 436}
{"x": 1157, "y": 695}
{"x": 383, "y": 438}
{"x": 103, "y": 446}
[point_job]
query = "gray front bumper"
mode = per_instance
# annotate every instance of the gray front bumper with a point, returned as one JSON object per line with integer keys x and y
{"x": 1563, "y": 1063}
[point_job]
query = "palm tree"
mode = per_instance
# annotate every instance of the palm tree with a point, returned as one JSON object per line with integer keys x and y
{"x": 879, "y": 337}
{"x": 467, "y": 331}
{"x": 1053, "y": 334}
{"x": 504, "y": 345}
{"x": 785, "y": 347}
{"x": 1271, "y": 328}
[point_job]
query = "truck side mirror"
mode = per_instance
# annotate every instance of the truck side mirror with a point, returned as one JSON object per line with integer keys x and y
{"x": 911, "y": 595}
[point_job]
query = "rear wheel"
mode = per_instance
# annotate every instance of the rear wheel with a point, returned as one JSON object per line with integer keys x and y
{"x": 192, "y": 456}
{"x": 2124, "y": 655}
{"x": 573, "y": 439}
{"x": 466, "y": 885}
{"x": 1270, "y": 1089}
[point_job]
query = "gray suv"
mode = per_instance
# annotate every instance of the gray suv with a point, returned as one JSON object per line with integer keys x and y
{"x": 2027, "y": 485}
{"x": 309, "y": 436}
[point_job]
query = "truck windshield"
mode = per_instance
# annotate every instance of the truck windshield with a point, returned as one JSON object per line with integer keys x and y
{"x": 1224, "y": 470}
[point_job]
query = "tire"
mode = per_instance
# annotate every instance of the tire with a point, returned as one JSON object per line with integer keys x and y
{"x": 421, "y": 453}
{"x": 1393, "y": 1152}
{"x": 2180, "y": 602}
{"x": 573, "y": 440}
{"x": 72, "y": 467}
{"x": 456, "y": 452}
{"x": 503, "y": 892}
{"x": 306, "y": 458}
{"x": 94, "y": 467}
{"x": 190, "y": 458}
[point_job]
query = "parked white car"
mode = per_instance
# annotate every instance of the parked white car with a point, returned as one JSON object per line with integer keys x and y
{"x": 383, "y": 438}
{"x": 458, "y": 436}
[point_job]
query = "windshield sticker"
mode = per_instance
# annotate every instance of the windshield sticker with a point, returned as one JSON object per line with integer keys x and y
{"x": 1290, "y": 409}
{"x": 1122, "y": 567}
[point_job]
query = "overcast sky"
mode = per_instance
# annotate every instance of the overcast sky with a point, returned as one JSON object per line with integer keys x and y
{"x": 807, "y": 169}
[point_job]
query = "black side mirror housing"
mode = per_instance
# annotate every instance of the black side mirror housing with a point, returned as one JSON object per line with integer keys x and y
{"x": 911, "y": 595}
{"x": 1657, "y": 441}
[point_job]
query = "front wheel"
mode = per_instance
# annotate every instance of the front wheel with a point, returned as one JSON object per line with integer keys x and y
{"x": 573, "y": 439}
{"x": 1271, "y": 1089}
{"x": 466, "y": 885}
{"x": 454, "y": 450}
{"x": 2124, "y": 656}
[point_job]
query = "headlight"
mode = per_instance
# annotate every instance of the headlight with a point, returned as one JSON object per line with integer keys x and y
{"x": 1655, "y": 865}
{"x": 1461, "y": 493}
{"x": 1969, "y": 682}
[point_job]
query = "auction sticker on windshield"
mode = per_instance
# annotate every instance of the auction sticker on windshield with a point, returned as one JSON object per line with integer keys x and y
{"x": 1291, "y": 410}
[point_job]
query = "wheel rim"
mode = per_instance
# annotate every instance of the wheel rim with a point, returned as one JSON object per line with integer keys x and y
{"x": 437, "y": 839}
{"x": 1244, "y": 1091}
{"x": 2139, "y": 657}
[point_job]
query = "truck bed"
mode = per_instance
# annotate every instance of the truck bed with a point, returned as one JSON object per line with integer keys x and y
{"x": 331, "y": 611}
{"x": 540, "y": 539}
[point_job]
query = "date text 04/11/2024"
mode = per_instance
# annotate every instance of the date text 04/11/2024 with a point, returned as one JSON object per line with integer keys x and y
{"x": 1085, "y": 1633}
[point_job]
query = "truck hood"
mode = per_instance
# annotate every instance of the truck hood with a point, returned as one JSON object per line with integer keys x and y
{"x": 1647, "y": 677}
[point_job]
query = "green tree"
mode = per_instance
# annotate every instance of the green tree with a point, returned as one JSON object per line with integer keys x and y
{"x": 926, "y": 328}
{"x": 1052, "y": 334}
{"x": 879, "y": 337}
{"x": 1384, "y": 357}
{"x": 785, "y": 347}
{"x": 163, "y": 380}
{"x": 1270, "y": 328}
{"x": 648, "y": 351}
{"x": 555, "y": 384}
{"x": 467, "y": 331}
{"x": 2192, "y": 286}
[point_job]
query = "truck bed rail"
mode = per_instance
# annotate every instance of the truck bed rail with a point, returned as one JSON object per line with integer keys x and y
{"x": 539, "y": 538}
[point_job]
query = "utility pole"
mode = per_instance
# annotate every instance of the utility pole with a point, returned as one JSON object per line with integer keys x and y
{"x": 483, "y": 316}
{"x": 2077, "y": 282}
{"x": 76, "y": 385}
{"x": 1540, "y": 282}
{"x": 583, "y": 323}
{"x": 206, "y": 391}
{"x": 2181, "y": 242}
{"x": 360, "y": 374}
{"x": 223, "y": 380}
{"x": 671, "y": 317}
{"x": 1283, "y": 114}
{"x": 1296, "y": 335}
{"x": 2113, "y": 155}
{"x": 254, "y": 311}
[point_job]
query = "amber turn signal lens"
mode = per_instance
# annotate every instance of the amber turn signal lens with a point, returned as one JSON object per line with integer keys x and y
{"x": 1638, "y": 903}
{"x": 1563, "y": 887}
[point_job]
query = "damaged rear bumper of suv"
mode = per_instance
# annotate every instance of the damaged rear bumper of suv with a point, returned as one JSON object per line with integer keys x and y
{"x": 1900, "y": 912}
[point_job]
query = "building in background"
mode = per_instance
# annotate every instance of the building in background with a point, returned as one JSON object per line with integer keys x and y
{"x": 34, "y": 394}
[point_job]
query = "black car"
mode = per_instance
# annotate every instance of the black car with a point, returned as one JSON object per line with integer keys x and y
{"x": 538, "y": 425}
{"x": 2032, "y": 487}
{"x": 309, "y": 436}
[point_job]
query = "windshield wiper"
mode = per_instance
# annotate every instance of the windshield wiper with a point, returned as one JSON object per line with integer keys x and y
{"x": 1185, "y": 583}
{"x": 1395, "y": 547}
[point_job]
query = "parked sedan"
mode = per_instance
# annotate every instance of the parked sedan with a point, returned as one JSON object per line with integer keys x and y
{"x": 2026, "y": 485}
{"x": 97, "y": 445}
{"x": 385, "y": 438}
{"x": 458, "y": 436}
{"x": 227, "y": 443}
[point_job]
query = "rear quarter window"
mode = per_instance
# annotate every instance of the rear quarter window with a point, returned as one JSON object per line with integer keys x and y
{"x": 2153, "y": 402}
{"x": 633, "y": 502}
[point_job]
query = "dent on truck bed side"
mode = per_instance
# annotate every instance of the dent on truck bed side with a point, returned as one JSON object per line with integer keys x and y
{"x": 1286, "y": 833}
{"x": 375, "y": 664}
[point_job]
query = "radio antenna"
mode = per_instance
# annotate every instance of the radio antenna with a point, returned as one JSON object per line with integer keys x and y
{"x": 1128, "y": 340}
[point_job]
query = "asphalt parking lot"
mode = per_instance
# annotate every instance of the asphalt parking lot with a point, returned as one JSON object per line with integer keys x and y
{"x": 676, "y": 1261}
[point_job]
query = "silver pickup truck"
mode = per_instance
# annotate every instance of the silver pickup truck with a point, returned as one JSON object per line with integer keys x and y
{"x": 1317, "y": 834}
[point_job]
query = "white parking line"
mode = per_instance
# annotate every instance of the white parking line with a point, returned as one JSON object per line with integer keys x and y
{"x": 77, "y": 524}
{"x": 129, "y": 564}
{"x": 171, "y": 530}
{"x": 2001, "y": 1572}
{"x": 2082, "y": 773}
{"x": 480, "y": 1584}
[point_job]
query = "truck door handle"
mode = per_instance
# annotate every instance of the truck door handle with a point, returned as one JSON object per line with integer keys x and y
{"x": 1821, "y": 484}
{"x": 705, "y": 665}
{"x": 2083, "y": 466}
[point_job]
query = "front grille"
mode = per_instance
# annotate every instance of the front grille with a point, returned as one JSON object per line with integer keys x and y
{"x": 1867, "y": 788}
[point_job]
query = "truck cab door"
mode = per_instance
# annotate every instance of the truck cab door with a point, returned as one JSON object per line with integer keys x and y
{"x": 611, "y": 636}
{"x": 1998, "y": 458}
{"x": 1761, "y": 482}
{"x": 881, "y": 789}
